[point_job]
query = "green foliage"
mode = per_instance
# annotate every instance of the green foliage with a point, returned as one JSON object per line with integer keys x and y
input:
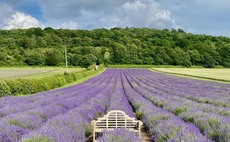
{"x": 34, "y": 58}
{"x": 38, "y": 139}
{"x": 87, "y": 60}
{"x": 35, "y": 46}
{"x": 225, "y": 54}
{"x": 69, "y": 78}
{"x": 3, "y": 57}
{"x": 140, "y": 115}
{"x": 196, "y": 58}
{"x": 208, "y": 61}
{"x": 16, "y": 86}
{"x": 180, "y": 110}
{"x": 4, "y": 89}
{"x": 91, "y": 67}
{"x": 27, "y": 86}
{"x": 54, "y": 57}
{"x": 180, "y": 57}
{"x": 33, "y": 85}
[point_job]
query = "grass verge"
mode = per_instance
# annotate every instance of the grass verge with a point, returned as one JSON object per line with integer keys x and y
{"x": 27, "y": 86}
{"x": 192, "y": 76}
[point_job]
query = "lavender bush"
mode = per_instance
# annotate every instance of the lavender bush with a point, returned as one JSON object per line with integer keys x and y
{"x": 162, "y": 125}
{"x": 172, "y": 108}
{"x": 119, "y": 135}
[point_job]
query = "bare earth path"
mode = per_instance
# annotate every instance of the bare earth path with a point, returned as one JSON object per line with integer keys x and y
{"x": 145, "y": 135}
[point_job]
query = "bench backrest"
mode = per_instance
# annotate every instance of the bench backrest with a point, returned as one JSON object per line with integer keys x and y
{"x": 116, "y": 119}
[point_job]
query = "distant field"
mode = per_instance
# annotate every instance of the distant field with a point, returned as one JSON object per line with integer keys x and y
{"x": 33, "y": 72}
{"x": 214, "y": 74}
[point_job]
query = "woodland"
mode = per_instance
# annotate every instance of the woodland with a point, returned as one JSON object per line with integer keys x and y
{"x": 141, "y": 46}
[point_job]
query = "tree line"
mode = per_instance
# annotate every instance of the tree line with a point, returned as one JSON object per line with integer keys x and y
{"x": 45, "y": 47}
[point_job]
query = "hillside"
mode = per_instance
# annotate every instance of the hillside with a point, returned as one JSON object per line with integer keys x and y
{"x": 36, "y": 46}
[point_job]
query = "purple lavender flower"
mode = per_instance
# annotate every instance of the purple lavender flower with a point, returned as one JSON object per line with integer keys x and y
{"x": 119, "y": 135}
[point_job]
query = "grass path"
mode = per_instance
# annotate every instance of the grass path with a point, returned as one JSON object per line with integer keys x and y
{"x": 33, "y": 72}
{"x": 221, "y": 75}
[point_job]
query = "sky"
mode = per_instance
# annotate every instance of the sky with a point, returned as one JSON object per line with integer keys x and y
{"x": 211, "y": 17}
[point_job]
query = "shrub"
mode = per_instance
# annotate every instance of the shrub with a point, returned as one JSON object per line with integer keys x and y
{"x": 27, "y": 86}
{"x": 4, "y": 89}
{"x": 119, "y": 135}
{"x": 38, "y": 139}
{"x": 30, "y": 86}
{"x": 69, "y": 78}
{"x": 15, "y": 85}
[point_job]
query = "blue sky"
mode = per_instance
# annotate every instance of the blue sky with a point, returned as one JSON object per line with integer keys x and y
{"x": 196, "y": 16}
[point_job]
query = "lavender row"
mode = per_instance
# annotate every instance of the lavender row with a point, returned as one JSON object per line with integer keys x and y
{"x": 44, "y": 95}
{"x": 200, "y": 91}
{"x": 162, "y": 125}
{"x": 195, "y": 87}
{"x": 35, "y": 118}
{"x": 216, "y": 99}
{"x": 119, "y": 135}
{"x": 74, "y": 126}
{"x": 21, "y": 123}
{"x": 188, "y": 103}
{"x": 20, "y": 107}
{"x": 216, "y": 126}
{"x": 118, "y": 100}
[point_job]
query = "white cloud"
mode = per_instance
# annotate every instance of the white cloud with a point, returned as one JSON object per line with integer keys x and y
{"x": 21, "y": 21}
{"x": 164, "y": 15}
{"x": 91, "y": 14}
{"x": 141, "y": 13}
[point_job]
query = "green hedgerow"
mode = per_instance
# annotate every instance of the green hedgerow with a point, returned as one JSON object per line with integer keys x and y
{"x": 4, "y": 89}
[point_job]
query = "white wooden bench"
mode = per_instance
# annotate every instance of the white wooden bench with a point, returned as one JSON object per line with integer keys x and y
{"x": 115, "y": 119}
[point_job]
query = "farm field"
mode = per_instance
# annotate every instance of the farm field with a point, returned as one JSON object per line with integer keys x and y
{"x": 33, "y": 72}
{"x": 172, "y": 108}
{"x": 213, "y": 74}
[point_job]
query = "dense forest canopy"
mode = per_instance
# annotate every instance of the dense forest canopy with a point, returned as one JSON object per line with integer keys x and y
{"x": 36, "y": 46}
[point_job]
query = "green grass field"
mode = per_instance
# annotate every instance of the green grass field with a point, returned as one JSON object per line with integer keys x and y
{"x": 33, "y": 72}
{"x": 212, "y": 74}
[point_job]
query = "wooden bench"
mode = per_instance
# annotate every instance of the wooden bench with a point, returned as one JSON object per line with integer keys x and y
{"x": 115, "y": 119}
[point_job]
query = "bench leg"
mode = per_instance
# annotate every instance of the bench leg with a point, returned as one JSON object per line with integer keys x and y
{"x": 94, "y": 136}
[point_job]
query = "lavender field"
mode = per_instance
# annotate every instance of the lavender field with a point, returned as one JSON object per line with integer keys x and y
{"x": 173, "y": 109}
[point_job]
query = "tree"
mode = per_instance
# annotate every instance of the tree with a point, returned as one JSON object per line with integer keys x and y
{"x": 74, "y": 59}
{"x": 35, "y": 58}
{"x": 3, "y": 56}
{"x": 118, "y": 53}
{"x": 87, "y": 60}
{"x": 180, "y": 30}
{"x": 196, "y": 58}
{"x": 53, "y": 57}
{"x": 162, "y": 57}
{"x": 180, "y": 57}
{"x": 225, "y": 56}
{"x": 120, "y": 46}
{"x": 208, "y": 61}
{"x": 107, "y": 58}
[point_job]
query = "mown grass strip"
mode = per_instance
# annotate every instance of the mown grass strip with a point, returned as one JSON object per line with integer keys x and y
{"x": 35, "y": 72}
{"x": 193, "y": 76}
